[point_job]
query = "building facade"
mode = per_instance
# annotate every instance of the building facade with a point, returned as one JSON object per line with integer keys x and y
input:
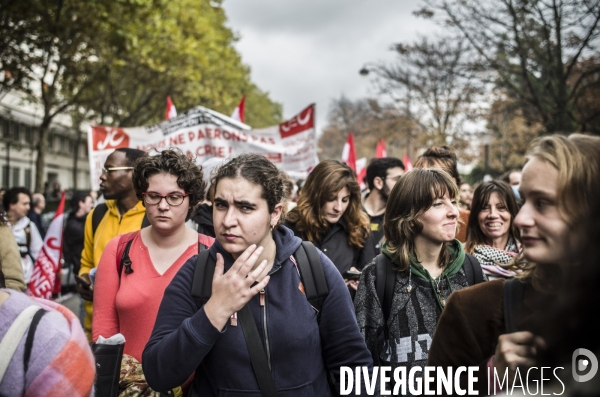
{"x": 19, "y": 123}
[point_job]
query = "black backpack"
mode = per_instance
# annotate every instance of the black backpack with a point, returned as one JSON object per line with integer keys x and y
{"x": 386, "y": 279}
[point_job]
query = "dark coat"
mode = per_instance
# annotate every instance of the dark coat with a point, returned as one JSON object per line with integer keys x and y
{"x": 37, "y": 220}
{"x": 335, "y": 245}
{"x": 301, "y": 348}
{"x": 468, "y": 329}
{"x": 204, "y": 219}
{"x": 73, "y": 241}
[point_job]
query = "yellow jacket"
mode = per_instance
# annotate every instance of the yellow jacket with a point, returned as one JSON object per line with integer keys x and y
{"x": 111, "y": 225}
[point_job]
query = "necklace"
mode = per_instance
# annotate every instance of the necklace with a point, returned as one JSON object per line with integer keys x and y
{"x": 439, "y": 293}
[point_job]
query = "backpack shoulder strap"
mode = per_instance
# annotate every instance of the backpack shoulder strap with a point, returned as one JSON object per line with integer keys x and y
{"x": 125, "y": 241}
{"x": 13, "y": 336}
{"x": 30, "y": 335}
{"x": 512, "y": 299}
{"x": 385, "y": 283}
{"x": 256, "y": 351}
{"x": 97, "y": 216}
{"x": 473, "y": 270}
{"x": 27, "y": 231}
{"x": 312, "y": 275}
{"x": 203, "y": 276}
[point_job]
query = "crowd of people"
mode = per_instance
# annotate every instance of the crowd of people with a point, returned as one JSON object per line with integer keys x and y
{"x": 221, "y": 286}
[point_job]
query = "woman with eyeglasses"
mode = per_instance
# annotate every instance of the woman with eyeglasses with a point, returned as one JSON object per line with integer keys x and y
{"x": 128, "y": 295}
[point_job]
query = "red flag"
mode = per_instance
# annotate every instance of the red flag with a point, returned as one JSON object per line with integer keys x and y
{"x": 238, "y": 113}
{"x": 349, "y": 154}
{"x": 380, "y": 151}
{"x": 407, "y": 163}
{"x": 45, "y": 280}
{"x": 361, "y": 172}
{"x": 171, "y": 111}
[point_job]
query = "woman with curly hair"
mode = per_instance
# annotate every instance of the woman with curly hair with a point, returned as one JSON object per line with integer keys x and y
{"x": 329, "y": 214}
{"x": 127, "y": 300}
{"x": 492, "y": 236}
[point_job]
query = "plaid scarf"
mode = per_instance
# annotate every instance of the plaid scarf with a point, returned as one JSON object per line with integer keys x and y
{"x": 72, "y": 371}
{"x": 491, "y": 258}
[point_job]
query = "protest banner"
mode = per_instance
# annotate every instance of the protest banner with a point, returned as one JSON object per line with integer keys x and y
{"x": 45, "y": 280}
{"x": 203, "y": 133}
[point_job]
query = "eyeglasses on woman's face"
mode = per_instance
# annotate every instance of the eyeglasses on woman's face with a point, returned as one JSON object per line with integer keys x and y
{"x": 152, "y": 198}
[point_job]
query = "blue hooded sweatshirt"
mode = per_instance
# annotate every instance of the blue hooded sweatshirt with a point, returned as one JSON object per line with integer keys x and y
{"x": 299, "y": 347}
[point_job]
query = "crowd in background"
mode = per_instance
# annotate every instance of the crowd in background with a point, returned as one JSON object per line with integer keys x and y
{"x": 418, "y": 270}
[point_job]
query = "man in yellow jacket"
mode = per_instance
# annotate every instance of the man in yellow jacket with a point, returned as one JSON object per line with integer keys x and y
{"x": 124, "y": 213}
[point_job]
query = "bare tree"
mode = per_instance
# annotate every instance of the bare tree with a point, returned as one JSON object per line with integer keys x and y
{"x": 437, "y": 86}
{"x": 532, "y": 46}
{"x": 370, "y": 121}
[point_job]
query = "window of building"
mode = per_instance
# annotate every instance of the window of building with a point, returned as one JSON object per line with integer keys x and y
{"x": 5, "y": 177}
{"x": 27, "y": 181}
{"x": 5, "y": 128}
{"x": 16, "y": 174}
{"x": 28, "y": 134}
{"x": 62, "y": 142}
{"x": 51, "y": 141}
{"x": 16, "y": 131}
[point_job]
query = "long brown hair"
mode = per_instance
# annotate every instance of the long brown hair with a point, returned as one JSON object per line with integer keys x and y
{"x": 414, "y": 193}
{"x": 322, "y": 185}
{"x": 481, "y": 197}
{"x": 577, "y": 160}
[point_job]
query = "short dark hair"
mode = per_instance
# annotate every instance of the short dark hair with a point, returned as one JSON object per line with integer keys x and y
{"x": 171, "y": 161}
{"x": 12, "y": 196}
{"x": 258, "y": 170}
{"x": 78, "y": 196}
{"x": 131, "y": 154}
{"x": 442, "y": 157}
{"x": 379, "y": 168}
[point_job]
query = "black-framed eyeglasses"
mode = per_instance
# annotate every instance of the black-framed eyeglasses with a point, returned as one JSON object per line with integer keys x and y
{"x": 152, "y": 198}
{"x": 111, "y": 169}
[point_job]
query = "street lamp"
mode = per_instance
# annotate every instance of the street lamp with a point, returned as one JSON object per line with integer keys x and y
{"x": 486, "y": 139}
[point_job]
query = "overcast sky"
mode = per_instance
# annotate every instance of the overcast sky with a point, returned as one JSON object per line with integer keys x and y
{"x": 305, "y": 51}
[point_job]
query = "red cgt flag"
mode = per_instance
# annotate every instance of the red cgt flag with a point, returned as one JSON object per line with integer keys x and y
{"x": 380, "y": 151}
{"x": 407, "y": 163}
{"x": 171, "y": 111}
{"x": 45, "y": 279}
{"x": 349, "y": 154}
{"x": 238, "y": 113}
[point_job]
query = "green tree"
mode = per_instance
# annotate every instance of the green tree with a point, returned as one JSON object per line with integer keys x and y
{"x": 180, "y": 48}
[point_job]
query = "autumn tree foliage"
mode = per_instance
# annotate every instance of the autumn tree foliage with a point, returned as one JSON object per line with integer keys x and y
{"x": 114, "y": 62}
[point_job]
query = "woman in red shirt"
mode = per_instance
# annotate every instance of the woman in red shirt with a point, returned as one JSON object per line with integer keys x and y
{"x": 170, "y": 185}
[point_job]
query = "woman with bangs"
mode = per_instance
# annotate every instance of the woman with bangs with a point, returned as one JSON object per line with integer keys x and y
{"x": 492, "y": 236}
{"x": 502, "y": 326}
{"x": 427, "y": 263}
{"x": 329, "y": 214}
